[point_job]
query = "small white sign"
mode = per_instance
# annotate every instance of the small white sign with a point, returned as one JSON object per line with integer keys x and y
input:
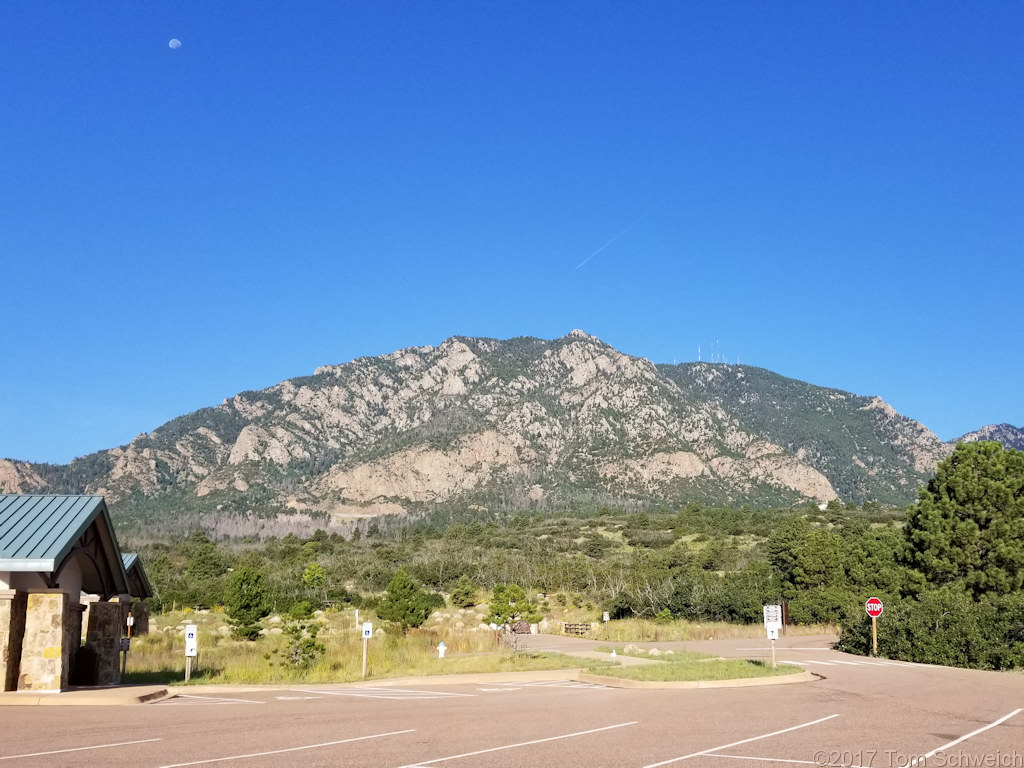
{"x": 191, "y": 640}
{"x": 131, "y": 620}
{"x": 607, "y": 617}
{"x": 367, "y": 630}
{"x": 773, "y": 632}
{"x": 773, "y": 616}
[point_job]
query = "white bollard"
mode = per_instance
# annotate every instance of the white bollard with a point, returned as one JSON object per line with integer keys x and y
{"x": 441, "y": 648}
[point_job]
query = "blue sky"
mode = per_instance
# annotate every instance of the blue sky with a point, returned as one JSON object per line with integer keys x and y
{"x": 832, "y": 191}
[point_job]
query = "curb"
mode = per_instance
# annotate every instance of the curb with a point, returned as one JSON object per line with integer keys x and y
{"x": 743, "y": 682}
{"x": 89, "y": 697}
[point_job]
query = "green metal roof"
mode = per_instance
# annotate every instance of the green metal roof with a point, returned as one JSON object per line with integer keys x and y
{"x": 37, "y": 532}
{"x": 138, "y": 581}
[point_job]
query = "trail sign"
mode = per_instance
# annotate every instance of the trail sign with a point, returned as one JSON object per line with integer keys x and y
{"x": 874, "y": 607}
{"x": 773, "y": 616}
{"x": 367, "y": 630}
{"x": 191, "y": 640}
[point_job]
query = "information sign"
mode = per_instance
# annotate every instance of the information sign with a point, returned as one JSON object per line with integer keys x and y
{"x": 191, "y": 640}
{"x": 773, "y": 616}
{"x": 367, "y": 630}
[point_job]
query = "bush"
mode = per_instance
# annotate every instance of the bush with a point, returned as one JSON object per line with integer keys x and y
{"x": 944, "y": 626}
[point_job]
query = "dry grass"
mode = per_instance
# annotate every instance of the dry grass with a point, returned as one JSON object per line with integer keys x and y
{"x": 159, "y": 656}
{"x": 643, "y": 630}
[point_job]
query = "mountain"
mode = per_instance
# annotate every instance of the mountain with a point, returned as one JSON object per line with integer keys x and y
{"x": 511, "y": 424}
{"x": 1008, "y": 435}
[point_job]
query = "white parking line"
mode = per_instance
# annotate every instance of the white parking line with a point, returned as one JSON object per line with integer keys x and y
{"x": 394, "y": 694}
{"x": 737, "y": 743}
{"x": 774, "y": 760}
{"x": 77, "y": 749}
{"x": 205, "y": 700}
{"x": 290, "y": 749}
{"x": 944, "y": 747}
{"x": 511, "y": 746}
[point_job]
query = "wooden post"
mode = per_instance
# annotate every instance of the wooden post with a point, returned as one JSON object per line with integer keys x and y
{"x": 365, "y": 641}
{"x": 188, "y": 668}
{"x": 874, "y": 635}
{"x": 774, "y": 665}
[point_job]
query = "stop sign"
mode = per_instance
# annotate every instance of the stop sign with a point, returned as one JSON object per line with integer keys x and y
{"x": 874, "y": 607}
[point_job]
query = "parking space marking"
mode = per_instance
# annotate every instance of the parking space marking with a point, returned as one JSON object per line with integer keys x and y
{"x": 394, "y": 694}
{"x": 563, "y": 684}
{"x": 77, "y": 749}
{"x": 289, "y": 749}
{"x": 774, "y": 760}
{"x": 419, "y": 763}
{"x": 737, "y": 743}
{"x": 944, "y": 747}
{"x": 204, "y": 700}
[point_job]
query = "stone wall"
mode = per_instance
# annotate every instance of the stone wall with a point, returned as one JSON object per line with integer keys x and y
{"x": 12, "y": 629}
{"x": 48, "y": 645}
{"x": 141, "y": 613}
{"x": 99, "y": 663}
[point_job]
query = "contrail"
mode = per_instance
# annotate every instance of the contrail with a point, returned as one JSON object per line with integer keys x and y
{"x": 644, "y": 216}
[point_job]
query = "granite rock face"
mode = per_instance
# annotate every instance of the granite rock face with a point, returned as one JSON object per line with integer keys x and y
{"x": 510, "y": 424}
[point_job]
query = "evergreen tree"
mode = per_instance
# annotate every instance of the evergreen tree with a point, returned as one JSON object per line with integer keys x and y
{"x": 967, "y": 528}
{"x": 405, "y": 603}
{"x": 247, "y": 601}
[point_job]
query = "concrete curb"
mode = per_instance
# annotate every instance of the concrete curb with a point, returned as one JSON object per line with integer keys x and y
{"x": 743, "y": 682}
{"x": 86, "y": 697}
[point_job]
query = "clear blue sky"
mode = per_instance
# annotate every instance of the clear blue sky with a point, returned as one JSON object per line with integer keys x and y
{"x": 833, "y": 191}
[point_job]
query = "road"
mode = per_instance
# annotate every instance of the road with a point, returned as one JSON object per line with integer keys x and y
{"x": 860, "y": 712}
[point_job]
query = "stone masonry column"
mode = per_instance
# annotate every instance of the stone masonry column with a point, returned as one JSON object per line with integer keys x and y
{"x": 47, "y": 648}
{"x": 141, "y": 613}
{"x": 103, "y": 644}
{"x": 12, "y": 632}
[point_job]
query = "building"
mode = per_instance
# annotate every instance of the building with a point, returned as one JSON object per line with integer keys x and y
{"x": 53, "y": 551}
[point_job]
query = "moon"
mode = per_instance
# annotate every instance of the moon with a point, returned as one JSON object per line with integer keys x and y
{"x": 174, "y": 44}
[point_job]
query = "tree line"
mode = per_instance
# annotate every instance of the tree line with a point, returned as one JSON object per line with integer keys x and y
{"x": 949, "y": 568}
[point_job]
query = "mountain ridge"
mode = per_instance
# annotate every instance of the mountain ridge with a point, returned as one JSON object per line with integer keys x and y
{"x": 504, "y": 424}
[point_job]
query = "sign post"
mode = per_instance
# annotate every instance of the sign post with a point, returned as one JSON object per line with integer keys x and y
{"x": 367, "y": 634}
{"x": 191, "y": 648}
{"x": 126, "y": 644}
{"x": 772, "y": 625}
{"x": 874, "y": 608}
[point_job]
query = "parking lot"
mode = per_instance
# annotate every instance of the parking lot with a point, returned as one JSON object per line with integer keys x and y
{"x": 858, "y": 713}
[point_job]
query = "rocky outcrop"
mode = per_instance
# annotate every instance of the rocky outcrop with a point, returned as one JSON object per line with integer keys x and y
{"x": 1007, "y": 434}
{"x": 515, "y": 422}
{"x": 20, "y": 477}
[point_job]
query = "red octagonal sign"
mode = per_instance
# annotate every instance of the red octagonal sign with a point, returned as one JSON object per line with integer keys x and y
{"x": 874, "y": 607}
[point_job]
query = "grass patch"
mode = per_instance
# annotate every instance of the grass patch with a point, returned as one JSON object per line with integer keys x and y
{"x": 644, "y": 653}
{"x": 692, "y": 670}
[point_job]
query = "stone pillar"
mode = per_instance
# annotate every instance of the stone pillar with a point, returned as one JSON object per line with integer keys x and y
{"x": 102, "y": 645}
{"x": 141, "y": 613}
{"x": 12, "y": 633}
{"x": 46, "y": 651}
